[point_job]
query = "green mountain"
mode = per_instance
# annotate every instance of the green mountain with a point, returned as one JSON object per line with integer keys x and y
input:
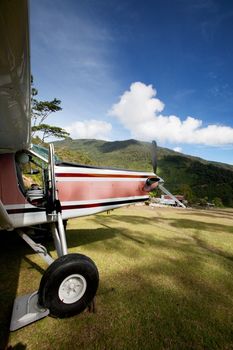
{"x": 195, "y": 177}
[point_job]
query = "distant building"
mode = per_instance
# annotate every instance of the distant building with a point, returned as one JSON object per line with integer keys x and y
{"x": 167, "y": 200}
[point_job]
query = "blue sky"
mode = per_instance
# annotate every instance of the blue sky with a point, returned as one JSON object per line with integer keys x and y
{"x": 155, "y": 69}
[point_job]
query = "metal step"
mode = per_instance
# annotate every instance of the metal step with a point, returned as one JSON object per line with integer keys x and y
{"x": 26, "y": 311}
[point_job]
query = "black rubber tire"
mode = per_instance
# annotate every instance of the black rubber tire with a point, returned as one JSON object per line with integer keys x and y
{"x": 56, "y": 273}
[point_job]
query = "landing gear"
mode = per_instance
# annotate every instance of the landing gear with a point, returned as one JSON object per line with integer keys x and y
{"x": 70, "y": 282}
{"x": 68, "y": 285}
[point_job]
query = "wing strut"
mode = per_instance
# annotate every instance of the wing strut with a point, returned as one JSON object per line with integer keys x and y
{"x": 58, "y": 230}
{"x": 163, "y": 189}
{"x": 161, "y": 181}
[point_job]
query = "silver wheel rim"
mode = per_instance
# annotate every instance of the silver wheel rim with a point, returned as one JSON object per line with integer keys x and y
{"x": 72, "y": 289}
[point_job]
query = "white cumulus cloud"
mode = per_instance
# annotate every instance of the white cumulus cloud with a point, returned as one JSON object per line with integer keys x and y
{"x": 90, "y": 129}
{"x": 139, "y": 110}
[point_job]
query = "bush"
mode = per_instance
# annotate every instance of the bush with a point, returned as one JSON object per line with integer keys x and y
{"x": 217, "y": 202}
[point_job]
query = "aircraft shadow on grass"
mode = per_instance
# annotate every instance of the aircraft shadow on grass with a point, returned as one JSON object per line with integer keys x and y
{"x": 217, "y": 214}
{"x": 12, "y": 250}
{"x": 192, "y": 259}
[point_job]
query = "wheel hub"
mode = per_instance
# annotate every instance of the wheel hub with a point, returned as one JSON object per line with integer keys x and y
{"x": 72, "y": 288}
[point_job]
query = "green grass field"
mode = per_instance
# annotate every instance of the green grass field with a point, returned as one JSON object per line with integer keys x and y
{"x": 166, "y": 282}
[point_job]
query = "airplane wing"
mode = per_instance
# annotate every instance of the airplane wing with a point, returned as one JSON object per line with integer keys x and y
{"x": 15, "y": 76}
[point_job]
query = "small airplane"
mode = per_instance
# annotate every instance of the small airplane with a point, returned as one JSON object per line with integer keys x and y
{"x": 69, "y": 190}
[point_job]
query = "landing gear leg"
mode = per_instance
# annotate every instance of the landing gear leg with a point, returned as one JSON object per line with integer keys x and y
{"x": 59, "y": 236}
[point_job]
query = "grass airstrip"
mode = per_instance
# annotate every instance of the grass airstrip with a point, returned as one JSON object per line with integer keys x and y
{"x": 166, "y": 282}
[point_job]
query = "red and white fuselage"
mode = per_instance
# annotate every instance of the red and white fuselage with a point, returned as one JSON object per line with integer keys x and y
{"x": 88, "y": 190}
{"x": 82, "y": 190}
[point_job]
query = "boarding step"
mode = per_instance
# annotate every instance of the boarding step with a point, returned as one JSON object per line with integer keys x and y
{"x": 26, "y": 311}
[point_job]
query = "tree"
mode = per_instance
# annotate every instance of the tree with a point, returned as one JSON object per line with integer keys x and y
{"x": 49, "y": 130}
{"x": 187, "y": 192}
{"x": 40, "y": 110}
{"x": 217, "y": 202}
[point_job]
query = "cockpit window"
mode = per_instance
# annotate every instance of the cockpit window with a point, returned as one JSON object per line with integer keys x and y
{"x": 43, "y": 153}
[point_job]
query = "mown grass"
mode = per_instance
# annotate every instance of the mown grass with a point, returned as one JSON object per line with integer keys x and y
{"x": 166, "y": 282}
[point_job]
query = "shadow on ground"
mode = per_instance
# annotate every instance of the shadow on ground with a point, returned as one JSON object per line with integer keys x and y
{"x": 218, "y": 214}
{"x": 168, "y": 292}
{"x": 12, "y": 249}
{"x": 170, "y": 295}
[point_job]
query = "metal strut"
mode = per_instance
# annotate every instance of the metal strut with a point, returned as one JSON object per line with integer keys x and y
{"x": 58, "y": 231}
{"x": 162, "y": 188}
{"x": 59, "y": 236}
{"x": 38, "y": 248}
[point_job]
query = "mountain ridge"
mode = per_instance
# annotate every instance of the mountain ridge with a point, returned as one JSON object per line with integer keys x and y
{"x": 131, "y": 141}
